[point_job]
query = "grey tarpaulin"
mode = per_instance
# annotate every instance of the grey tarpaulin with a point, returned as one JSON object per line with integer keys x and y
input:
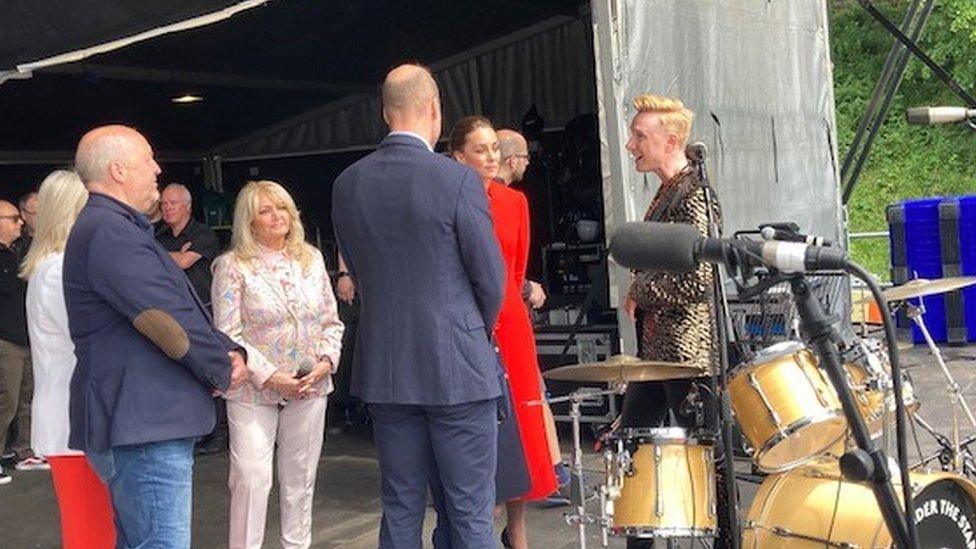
{"x": 758, "y": 75}
{"x": 549, "y": 65}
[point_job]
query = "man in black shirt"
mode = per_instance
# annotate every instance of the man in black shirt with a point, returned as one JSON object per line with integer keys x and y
{"x": 14, "y": 353}
{"x": 193, "y": 246}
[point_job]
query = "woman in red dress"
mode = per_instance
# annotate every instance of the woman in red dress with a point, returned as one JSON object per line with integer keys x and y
{"x": 473, "y": 142}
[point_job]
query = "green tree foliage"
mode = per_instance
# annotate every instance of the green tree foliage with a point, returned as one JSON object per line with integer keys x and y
{"x": 905, "y": 161}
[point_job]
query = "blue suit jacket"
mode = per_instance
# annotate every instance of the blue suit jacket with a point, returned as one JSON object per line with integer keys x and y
{"x": 125, "y": 389}
{"x": 416, "y": 233}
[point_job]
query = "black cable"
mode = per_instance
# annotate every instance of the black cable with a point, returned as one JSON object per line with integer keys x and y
{"x": 900, "y": 415}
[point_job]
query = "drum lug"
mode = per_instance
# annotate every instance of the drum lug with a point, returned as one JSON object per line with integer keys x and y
{"x": 754, "y": 383}
{"x": 817, "y": 388}
{"x": 709, "y": 479}
{"x": 658, "y": 493}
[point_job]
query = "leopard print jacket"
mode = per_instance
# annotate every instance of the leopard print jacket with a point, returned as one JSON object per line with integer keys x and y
{"x": 678, "y": 312}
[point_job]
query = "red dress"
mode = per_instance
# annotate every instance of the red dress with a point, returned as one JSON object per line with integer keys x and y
{"x": 516, "y": 342}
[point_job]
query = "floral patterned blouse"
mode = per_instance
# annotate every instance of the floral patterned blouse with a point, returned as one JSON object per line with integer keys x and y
{"x": 285, "y": 317}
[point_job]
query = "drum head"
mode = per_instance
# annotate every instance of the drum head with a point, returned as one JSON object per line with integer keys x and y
{"x": 945, "y": 515}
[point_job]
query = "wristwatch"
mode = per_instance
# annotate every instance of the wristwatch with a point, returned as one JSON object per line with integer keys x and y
{"x": 341, "y": 274}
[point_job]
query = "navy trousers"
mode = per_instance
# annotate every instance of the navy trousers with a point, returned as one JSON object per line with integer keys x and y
{"x": 454, "y": 447}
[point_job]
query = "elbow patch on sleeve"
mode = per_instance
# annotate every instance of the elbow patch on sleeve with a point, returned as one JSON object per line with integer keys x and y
{"x": 163, "y": 330}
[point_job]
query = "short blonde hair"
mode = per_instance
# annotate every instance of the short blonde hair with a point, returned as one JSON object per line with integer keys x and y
{"x": 674, "y": 116}
{"x": 242, "y": 241}
{"x": 59, "y": 201}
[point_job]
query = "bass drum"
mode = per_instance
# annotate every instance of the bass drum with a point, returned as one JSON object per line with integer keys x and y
{"x": 813, "y": 507}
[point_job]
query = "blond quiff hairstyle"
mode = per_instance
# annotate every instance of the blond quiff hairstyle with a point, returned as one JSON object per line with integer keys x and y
{"x": 674, "y": 116}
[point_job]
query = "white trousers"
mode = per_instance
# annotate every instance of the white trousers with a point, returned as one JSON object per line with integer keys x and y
{"x": 297, "y": 428}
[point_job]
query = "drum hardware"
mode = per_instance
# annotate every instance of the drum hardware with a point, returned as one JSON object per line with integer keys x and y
{"x": 947, "y": 453}
{"x": 954, "y": 391}
{"x": 873, "y": 465}
{"x": 814, "y": 506}
{"x": 624, "y": 369}
{"x": 788, "y": 411}
{"x": 669, "y": 493}
{"x": 921, "y": 287}
{"x": 579, "y": 517}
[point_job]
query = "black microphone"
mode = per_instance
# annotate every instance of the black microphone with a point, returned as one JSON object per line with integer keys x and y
{"x": 696, "y": 152}
{"x": 926, "y": 116}
{"x": 769, "y": 232}
{"x": 678, "y": 247}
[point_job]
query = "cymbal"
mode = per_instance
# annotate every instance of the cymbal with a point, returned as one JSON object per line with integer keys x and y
{"x": 922, "y": 287}
{"x": 624, "y": 368}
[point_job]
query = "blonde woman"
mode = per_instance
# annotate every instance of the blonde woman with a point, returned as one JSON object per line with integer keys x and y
{"x": 86, "y": 509}
{"x": 271, "y": 294}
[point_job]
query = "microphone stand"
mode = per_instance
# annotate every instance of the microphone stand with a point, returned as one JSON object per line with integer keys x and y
{"x": 723, "y": 329}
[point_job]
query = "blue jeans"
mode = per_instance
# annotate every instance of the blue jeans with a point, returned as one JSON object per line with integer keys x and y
{"x": 152, "y": 492}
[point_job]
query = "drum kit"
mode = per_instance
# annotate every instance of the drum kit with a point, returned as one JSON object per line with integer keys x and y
{"x": 660, "y": 483}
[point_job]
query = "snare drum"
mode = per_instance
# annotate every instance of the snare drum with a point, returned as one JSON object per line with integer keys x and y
{"x": 786, "y": 407}
{"x": 661, "y": 484}
{"x": 812, "y": 507}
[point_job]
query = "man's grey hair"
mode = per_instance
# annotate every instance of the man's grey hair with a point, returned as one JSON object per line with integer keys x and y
{"x": 183, "y": 190}
{"x": 93, "y": 161}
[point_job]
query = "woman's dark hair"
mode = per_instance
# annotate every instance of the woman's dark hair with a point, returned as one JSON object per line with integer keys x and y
{"x": 464, "y": 126}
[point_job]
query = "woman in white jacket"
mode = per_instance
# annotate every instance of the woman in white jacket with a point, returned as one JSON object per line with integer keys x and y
{"x": 86, "y": 509}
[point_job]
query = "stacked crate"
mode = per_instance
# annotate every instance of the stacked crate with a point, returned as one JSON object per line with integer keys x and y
{"x": 932, "y": 238}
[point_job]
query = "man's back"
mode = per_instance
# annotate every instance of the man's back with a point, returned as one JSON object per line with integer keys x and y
{"x": 416, "y": 234}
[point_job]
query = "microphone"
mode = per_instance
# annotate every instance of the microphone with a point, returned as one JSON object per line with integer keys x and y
{"x": 678, "y": 247}
{"x": 925, "y": 116}
{"x": 696, "y": 152}
{"x": 769, "y": 232}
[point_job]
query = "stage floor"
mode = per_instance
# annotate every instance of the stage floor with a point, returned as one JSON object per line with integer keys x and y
{"x": 347, "y": 503}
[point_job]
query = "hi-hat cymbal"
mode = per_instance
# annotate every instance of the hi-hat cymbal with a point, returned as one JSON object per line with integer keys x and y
{"x": 625, "y": 369}
{"x": 922, "y": 287}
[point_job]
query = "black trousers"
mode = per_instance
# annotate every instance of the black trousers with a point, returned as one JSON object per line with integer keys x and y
{"x": 667, "y": 403}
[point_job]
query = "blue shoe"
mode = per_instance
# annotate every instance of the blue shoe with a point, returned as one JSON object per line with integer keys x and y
{"x": 562, "y": 474}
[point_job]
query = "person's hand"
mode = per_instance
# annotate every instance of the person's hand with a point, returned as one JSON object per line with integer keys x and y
{"x": 308, "y": 385}
{"x": 537, "y": 296}
{"x": 238, "y": 370}
{"x": 630, "y": 308}
{"x": 285, "y": 384}
{"x": 185, "y": 247}
{"x": 345, "y": 289}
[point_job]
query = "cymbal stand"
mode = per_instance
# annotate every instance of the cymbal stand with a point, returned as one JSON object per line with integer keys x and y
{"x": 916, "y": 313}
{"x": 579, "y": 516}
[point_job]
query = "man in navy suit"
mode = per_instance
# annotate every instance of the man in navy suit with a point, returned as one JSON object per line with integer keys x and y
{"x": 416, "y": 234}
{"x": 149, "y": 358}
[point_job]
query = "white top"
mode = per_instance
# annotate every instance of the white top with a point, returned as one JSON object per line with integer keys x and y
{"x": 53, "y": 358}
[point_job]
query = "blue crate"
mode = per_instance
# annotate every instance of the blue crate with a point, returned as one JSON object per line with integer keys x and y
{"x": 967, "y": 253}
{"x": 923, "y": 254}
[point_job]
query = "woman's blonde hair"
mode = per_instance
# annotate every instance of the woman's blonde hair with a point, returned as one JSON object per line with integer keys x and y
{"x": 674, "y": 116}
{"x": 59, "y": 200}
{"x": 242, "y": 241}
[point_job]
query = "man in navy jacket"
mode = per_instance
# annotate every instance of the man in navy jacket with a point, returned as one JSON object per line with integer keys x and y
{"x": 149, "y": 358}
{"x": 416, "y": 234}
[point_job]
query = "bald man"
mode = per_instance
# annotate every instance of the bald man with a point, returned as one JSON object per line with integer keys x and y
{"x": 514, "y": 151}
{"x": 416, "y": 234}
{"x": 149, "y": 358}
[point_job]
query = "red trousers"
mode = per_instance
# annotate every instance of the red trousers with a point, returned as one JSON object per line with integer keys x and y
{"x": 86, "y": 507}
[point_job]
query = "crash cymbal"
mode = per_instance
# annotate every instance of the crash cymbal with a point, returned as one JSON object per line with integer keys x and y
{"x": 624, "y": 368}
{"x": 922, "y": 287}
